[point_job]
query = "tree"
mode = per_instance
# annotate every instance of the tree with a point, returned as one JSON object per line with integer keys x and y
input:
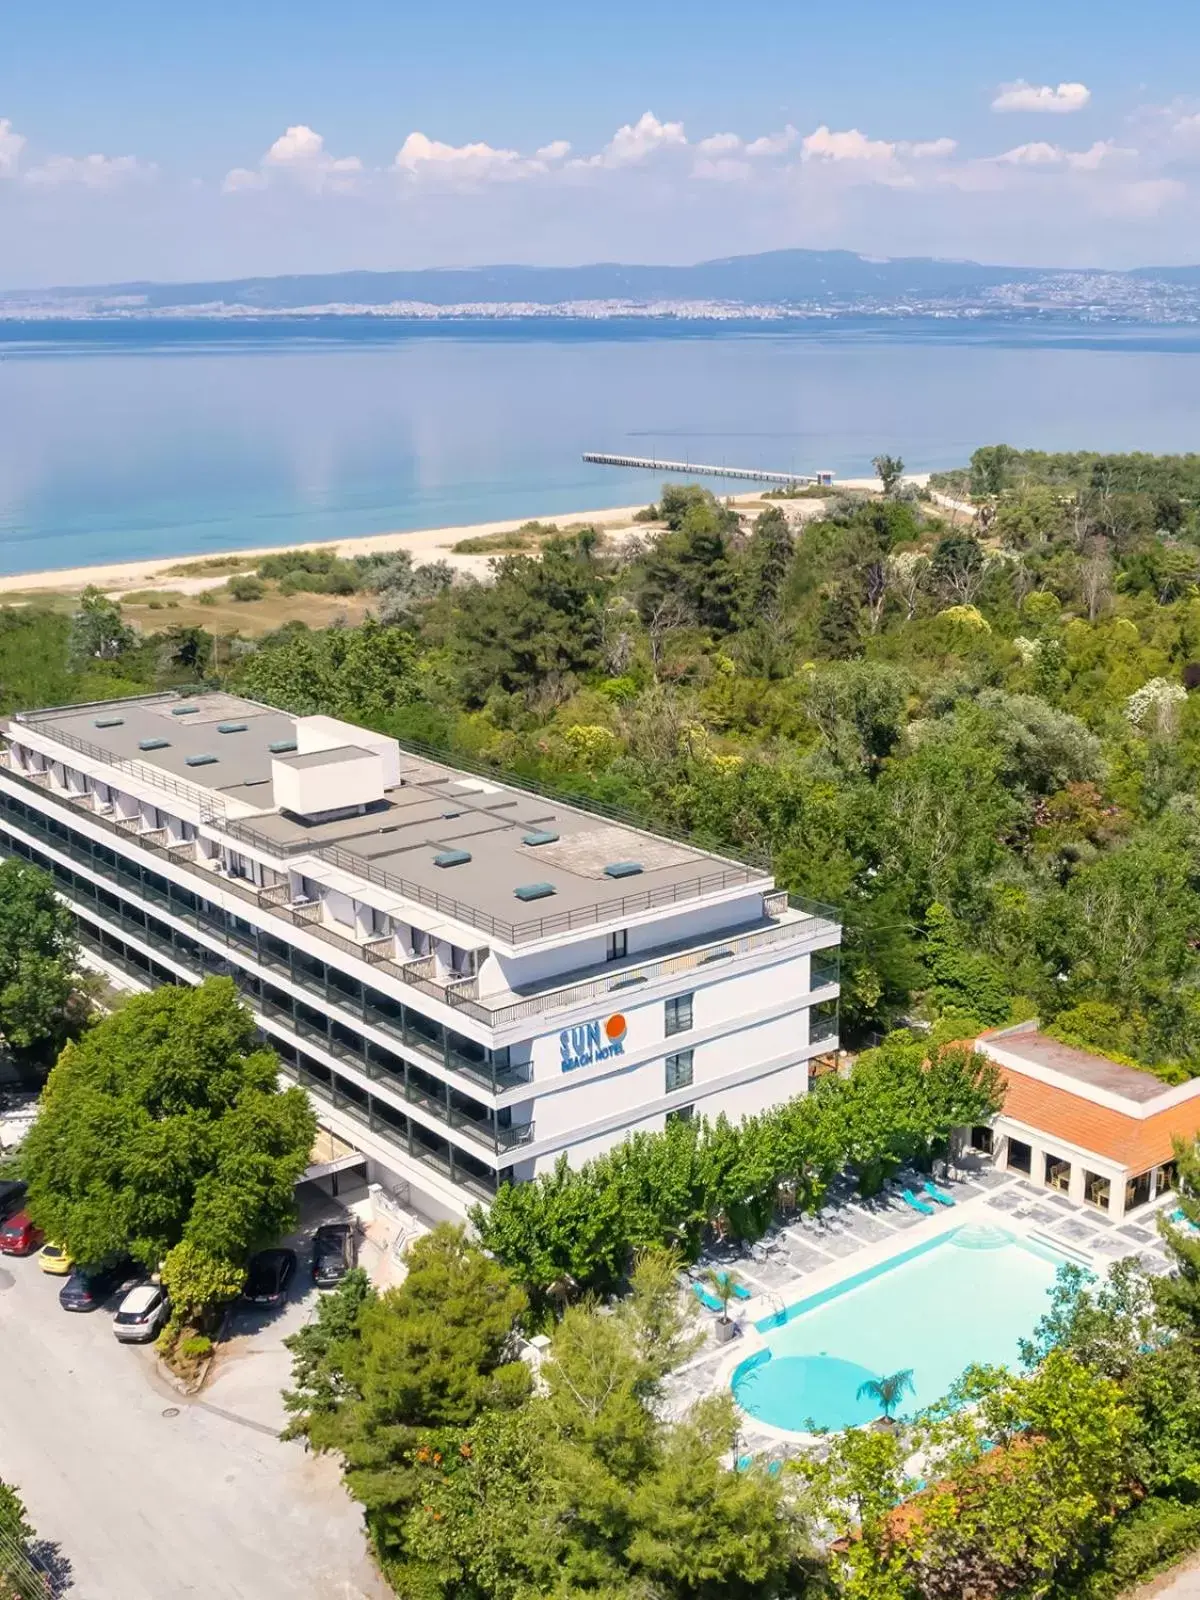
{"x": 38, "y": 957}
{"x": 957, "y": 567}
{"x": 19, "y": 1579}
{"x": 164, "y": 1126}
{"x": 723, "y": 1284}
{"x": 853, "y": 1491}
{"x": 887, "y": 1391}
{"x": 98, "y": 630}
{"x": 765, "y": 565}
{"x": 1027, "y": 1476}
{"x": 693, "y": 560}
{"x": 890, "y": 471}
{"x": 858, "y": 706}
{"x": 537, "y": 625}
{"x": 1178, "y": 1293}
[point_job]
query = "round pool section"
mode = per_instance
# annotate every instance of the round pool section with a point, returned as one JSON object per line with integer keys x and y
{"x": 968, "y": 1296}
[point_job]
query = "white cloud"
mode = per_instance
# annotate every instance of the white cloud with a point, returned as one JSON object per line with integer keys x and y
{"x": 719, "y": 144}
{"x": 931, "y": 149}
{"x": 1039, "y": 154}
{"x": 1098, "y": 155}
{"x": 11, "y": 145}
{"x": 556, "y": 150}
{"x": 299, "y": 154}
{"x": 773, "y": 144}
{"x": 634, "y": 142}
{"x": 90, "y": 172}
{"x": 421, "y": 156}
{"x": 1022, "y": 96}
{"x": 824, "y": 145}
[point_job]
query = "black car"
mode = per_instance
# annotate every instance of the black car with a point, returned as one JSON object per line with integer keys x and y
{"x": 89, "y": 1287}
{"x": 268, "y": 1276}
{"x": 12, "y": 1193}
{"x": 334, "y": 1253}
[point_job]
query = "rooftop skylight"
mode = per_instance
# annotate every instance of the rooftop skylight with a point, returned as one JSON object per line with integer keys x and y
{"x": 201, "y": 761}
{"x": 184, "y": 711}
{"x": 533, "y": 891}
{"x": 622, "y": 869}
{"x": 154, "y": 744}
{"x": 452, "y": 858}
{"x": 539, "y": 837}
{"x": 108, "y": 722}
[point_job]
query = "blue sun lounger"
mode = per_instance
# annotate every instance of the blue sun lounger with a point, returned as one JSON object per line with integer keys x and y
{"x": 922, "y": 1206}
{"x": 706, "y": 1299}
{"x": 942, "y": 1196}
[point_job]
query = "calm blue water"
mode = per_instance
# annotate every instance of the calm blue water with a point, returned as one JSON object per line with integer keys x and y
{"x": 126, "y": 440}
{"x": 967, "y": 1297}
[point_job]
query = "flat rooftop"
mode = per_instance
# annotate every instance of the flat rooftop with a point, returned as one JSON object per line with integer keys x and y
{"x": 1086, "y": 1069}
{"x": 470, "y": 847}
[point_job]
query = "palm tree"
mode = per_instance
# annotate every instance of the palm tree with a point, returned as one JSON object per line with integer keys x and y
{"x": 723, "y": 1284}
{"x": 888, "y": 1391}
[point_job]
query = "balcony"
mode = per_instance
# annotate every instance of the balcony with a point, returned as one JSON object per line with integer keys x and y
{"x": 342, "y": 996}
{"x": 462, "y": 994}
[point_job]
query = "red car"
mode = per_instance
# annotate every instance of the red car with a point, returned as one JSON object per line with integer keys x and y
{"x": 19, "y": 1237}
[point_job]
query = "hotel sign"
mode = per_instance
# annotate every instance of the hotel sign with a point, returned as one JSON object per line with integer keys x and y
{"x": 590, "y": 1042}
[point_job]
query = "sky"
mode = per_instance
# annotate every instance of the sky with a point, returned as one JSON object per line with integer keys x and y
{"x": 142, "y": 140}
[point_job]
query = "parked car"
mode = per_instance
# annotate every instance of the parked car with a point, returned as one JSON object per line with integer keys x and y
{"x": 334, "y": 1253}
{"x": 18, "y": 1236}
{"x": 12, "y": 1193}
{"x": 142, "y": 1313}
{"x": 53, "y": 1258}
{"x": 268, "y": 1276}
{"x": 89, "y": 1287}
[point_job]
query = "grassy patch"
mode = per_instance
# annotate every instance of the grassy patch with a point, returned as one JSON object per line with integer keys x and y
{"x": 211, "y": 567}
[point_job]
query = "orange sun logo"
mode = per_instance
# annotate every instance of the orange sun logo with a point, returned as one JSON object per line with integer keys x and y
{"x": 615, "y": 1027}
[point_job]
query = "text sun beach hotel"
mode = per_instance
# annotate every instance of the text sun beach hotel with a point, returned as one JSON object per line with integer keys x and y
{"x": 469, "y": 978}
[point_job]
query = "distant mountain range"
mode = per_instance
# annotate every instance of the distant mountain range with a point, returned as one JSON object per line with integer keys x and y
{"x": 779, "y": 283}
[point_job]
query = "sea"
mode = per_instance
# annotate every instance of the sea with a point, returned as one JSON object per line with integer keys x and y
{"x": 133, "y": 439}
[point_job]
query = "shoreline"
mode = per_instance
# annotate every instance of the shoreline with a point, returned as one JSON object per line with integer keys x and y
{"x": 423, "y": 544}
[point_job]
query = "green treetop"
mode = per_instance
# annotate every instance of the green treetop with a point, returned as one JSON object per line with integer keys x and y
{"x": 164, "y": 1129}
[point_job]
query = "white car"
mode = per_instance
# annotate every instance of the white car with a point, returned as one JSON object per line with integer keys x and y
{"x": 142, "y": 1313}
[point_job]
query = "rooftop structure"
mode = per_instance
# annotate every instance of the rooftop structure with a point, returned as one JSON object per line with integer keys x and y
{"x": 472, "y": 977}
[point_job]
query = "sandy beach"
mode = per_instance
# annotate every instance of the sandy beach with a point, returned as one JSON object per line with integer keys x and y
{"x": 426, "y": 544}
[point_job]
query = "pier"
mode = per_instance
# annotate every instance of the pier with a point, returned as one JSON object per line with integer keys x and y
{"x": 697, "y": 469}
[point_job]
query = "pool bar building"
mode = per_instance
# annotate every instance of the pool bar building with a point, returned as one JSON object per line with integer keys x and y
{"x": 1098, "y": 1131}
{"x": 471, "y": 979}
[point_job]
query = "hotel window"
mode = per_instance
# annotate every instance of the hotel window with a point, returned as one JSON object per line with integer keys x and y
{"x": 679, "y": 1071}
{"x": 1097, "y": 1190}
{"x": 678, "y": 1014}
{"x": 681, "y": 1114}
{"x": 618, "y": 946}
{"x": 1058, "y": 1173}
{"x": 1020, "y": 1156}
{"x": 1164, "y": 1178}
{"x": 1137, "y": 1190}
{"x": 981, "y": 1140}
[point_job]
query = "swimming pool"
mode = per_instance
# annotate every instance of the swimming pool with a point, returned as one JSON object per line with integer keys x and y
{"x": 966, "y": 1296}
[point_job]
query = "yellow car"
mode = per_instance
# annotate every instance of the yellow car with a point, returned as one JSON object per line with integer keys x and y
{"x": 53, "y": 1258}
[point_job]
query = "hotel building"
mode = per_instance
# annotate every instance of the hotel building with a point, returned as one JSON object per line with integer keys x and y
{"x": 471, "y": 979}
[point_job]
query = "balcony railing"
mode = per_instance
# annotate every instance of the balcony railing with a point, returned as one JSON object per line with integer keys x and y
{"x": 354, "y": 1005}
{"x": 461, "y": 994}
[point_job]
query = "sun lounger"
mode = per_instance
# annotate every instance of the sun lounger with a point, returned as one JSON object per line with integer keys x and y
{"x": 942, "y": 1196}
{"x": 706, "y": 1298}
{"x": 923, "y": 1206}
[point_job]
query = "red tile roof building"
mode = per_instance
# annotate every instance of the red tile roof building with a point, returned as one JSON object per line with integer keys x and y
{"x": 1093, "y": 1128}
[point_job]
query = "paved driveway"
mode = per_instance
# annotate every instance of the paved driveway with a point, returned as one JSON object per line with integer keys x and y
{"x": 150, "y": 1506}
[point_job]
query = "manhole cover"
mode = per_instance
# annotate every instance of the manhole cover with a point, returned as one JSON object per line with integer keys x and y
{"x": 171, "y": 1411}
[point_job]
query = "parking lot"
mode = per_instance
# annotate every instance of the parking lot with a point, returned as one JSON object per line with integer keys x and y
{"x": 146, "y": 1494}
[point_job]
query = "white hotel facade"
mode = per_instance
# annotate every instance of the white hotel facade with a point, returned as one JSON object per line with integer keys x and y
{"x": 470, "y": 979}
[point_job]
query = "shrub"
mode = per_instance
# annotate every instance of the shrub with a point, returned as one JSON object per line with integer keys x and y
{"x": 247, "y": 587}
{"x": 1150, "y": 1537}
{"x": 197, "y": 1347}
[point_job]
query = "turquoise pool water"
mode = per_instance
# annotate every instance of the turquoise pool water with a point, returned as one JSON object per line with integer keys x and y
{"x": 967, "y": 1296}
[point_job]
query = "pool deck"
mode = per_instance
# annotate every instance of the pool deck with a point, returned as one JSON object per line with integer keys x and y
{"x": 850, "y": 1235}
